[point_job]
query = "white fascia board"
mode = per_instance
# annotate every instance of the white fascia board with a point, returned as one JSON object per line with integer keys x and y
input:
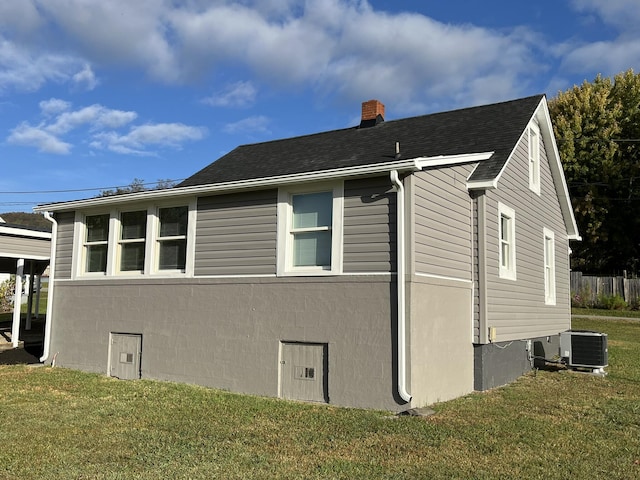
{"x": 412, "y": 164}
{"x": 17, "y": 256}
{"x": 557, "y": 172}
{"x": 446, "y": 160}
{"x": 23, "y": 232}
{"x": 483, "y": 184}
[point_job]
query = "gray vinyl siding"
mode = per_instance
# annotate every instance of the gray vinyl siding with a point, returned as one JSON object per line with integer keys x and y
{"x": 443, "y": 223}
{"x": 64, "y": 245}
{"x": 369, "y": 229}
{"x": 517, "y": 308}
{"x": 236, "y": 234}
{"x": 17, "y": 246}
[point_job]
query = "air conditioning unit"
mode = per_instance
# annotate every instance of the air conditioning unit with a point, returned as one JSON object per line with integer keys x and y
{"x": 584, "y": 349}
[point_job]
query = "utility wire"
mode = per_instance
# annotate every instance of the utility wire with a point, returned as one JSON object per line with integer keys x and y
{"x": 36, "y": 192}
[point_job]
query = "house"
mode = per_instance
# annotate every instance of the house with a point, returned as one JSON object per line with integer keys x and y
{"x": 24, "y": 252}
{"x": 274, "y": 270}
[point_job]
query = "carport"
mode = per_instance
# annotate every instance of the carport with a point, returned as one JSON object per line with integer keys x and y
{"x": 25, "y": 253}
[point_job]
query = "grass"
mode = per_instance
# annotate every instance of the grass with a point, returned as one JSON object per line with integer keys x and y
{"x": 59, "y": 423}
{"x": 599, "y": 312}
{"x": 42, "y": 307}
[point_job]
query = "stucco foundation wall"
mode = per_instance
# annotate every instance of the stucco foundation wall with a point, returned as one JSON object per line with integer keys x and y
{"x": 501, "y": 363}
{"x": 441, "y": 348}
{"x": 225, "y": 333}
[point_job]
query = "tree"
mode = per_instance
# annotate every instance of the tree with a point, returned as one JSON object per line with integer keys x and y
{"x": 137, "y": 185}
{"x": 26, "y": 219}
{"x": 597, "y": 127}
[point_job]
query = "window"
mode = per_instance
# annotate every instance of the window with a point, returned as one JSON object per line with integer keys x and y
{"x": 549, "y": 268}
{"x": 150, "y": 240}
{"x": 172, "y": 238}
{"x": 133, "y": 233}
{"x": 96, "y": 242}
{"x": 310, "y": 230}
{"x": 507, "y": 241}
{"x": 534, "y": 158}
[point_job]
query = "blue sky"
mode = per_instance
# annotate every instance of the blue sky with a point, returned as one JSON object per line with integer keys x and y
{"x": 95, "y": 93}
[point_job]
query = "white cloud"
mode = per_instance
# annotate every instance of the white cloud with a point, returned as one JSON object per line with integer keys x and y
{"x": 108, "y": 118}
{"x": 140, "y": 137}
{"x": 623, "y": 14}
{"x": 85, "y": 79}
{"x": 95, "y": 116}
{"x": 255, "y": 124}
{"x": 335, "y": 46}
{"x": 607, "y": 56}
{"x": 100, "y": 124}
{"x": 53, "y": 106}
{"x": 342, "y": 47}
{"x": 239, "y": 94}
{"x": 29, "y": 136}
{"x": 23, "y": 69}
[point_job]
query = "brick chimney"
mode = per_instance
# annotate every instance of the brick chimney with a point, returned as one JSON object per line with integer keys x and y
{"x": 372, "y": 113}
{"x": 371, "y": 109}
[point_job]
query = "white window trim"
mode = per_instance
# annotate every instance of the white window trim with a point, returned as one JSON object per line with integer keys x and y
{"x": 151, "y": 244}
{"x": 534, "y": 157}
{"x": 509, "y": 272}
{"x": 285, "y": 239}
{"x": 550, "y": 287}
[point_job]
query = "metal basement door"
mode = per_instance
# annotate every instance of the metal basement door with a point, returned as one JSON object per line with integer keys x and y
{"x": 304, "y": 372}
{"x": 124, "y": 360}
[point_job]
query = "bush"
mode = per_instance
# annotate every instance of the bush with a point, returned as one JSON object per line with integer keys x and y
{"x": 611, "y": 302}
{"x": 7, "y": 289}
{"x": 583, "y": 298}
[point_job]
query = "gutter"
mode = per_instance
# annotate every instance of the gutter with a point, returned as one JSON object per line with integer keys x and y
{"x": 52, "y": 268}
{"x": 412, "y": 164}
{"x": 402, "y": 296}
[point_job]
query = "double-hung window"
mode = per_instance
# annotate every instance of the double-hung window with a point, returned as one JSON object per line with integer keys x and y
{"x": 172, "y": 238}
{"x": 534, "y": 158}
{"x": 549, "y": 268}
{"x": 310, "y": 230}
{"x": 96, "y": 243}
{"x": 507, "y": 242}
{"x": 133, "y": 234}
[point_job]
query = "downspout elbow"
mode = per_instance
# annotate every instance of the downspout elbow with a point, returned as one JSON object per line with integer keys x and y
{"x": 402, "y": 297}
{"x": 50, "y": 286}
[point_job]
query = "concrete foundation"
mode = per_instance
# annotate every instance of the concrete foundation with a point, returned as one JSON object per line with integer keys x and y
{"x": 497, "y": 364}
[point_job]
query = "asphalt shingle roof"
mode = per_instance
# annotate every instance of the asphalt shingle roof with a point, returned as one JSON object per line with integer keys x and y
{"x": 496, "y": 127}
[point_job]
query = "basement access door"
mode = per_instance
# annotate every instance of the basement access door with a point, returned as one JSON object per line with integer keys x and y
{"x": 304, "y": 371}
{"x": 124, "y": 356}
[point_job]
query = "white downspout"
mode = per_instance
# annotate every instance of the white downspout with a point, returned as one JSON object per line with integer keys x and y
{"x": 52, "y": 268}
{"x": 402, "y": 297}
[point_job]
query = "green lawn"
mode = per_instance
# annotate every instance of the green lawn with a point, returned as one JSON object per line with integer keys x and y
{"x": 59, "y": 423}
{"x": 599, "y": 312}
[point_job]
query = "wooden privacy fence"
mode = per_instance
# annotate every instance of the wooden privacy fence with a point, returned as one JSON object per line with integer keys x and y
{"x": 590, "y": 288}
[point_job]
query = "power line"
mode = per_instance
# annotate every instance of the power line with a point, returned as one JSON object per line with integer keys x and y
{"x": 37, "y": 192}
